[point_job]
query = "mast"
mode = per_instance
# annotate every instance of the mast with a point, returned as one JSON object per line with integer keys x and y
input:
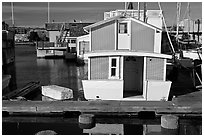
{"x": 48, "y": 13}
{"x": 138, "y": 8}
{"x": 188, "y": 18}
{"x": 12, "y": 15}
{"x": 130, "y": 6}
{"x": 178, "y": 18}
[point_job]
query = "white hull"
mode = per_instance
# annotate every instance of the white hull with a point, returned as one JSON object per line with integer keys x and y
{"x": 49, "y": 53}
{"x": 113, "y": 90}
{"x": 57, "y": 92}
{"x": 191, "y": 54}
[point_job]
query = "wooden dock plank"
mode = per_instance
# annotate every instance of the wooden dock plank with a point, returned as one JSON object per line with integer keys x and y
{"x": 86, "y": 106}
{"x": 187, "y": 104}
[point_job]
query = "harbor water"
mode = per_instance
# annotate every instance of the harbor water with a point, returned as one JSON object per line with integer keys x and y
{"x": 28, "y": 67}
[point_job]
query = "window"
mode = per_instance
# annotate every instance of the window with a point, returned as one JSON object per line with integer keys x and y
{"x": 114, "y": 68}
{"x": 122, "y": 28}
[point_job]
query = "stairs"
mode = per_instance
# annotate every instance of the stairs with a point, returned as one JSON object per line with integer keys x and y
{"x": 63, "y": 35}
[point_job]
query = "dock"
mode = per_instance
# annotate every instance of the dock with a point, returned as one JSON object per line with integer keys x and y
{"x": 186, "y": 105}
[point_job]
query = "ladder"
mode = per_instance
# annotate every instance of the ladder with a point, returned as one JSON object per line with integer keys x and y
{"x": 63, "y": 34}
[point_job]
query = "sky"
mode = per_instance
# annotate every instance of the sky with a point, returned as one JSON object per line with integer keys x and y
{"x": 34, "y": 14}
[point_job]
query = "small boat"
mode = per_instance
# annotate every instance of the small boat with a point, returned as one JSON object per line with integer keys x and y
{"x": 57, "y": 92}
{"x": 192, "y": 53}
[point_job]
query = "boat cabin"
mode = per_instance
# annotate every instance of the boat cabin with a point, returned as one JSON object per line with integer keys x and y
{"x": 122, "y": 75}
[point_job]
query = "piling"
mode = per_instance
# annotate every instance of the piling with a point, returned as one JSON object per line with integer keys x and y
{"x": 46, "y": 132}
{"x": 169, "y": 125}
{"x": 86, "y": 121}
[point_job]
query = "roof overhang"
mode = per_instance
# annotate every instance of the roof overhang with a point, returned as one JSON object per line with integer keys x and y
{"x": 127, "y": 53}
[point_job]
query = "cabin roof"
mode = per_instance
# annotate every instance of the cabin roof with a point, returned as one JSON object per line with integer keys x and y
{"x": 87, "y": 28}
{"x": 127, "y": 53}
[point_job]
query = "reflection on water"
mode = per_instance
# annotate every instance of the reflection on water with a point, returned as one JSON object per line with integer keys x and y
{"x": 48, "y": 71}
{"x": 70, "y": 126}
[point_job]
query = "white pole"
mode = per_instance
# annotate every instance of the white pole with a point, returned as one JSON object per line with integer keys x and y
{"x": 48, "y": 13}
{"x": 188, "y": 18}
{"x": 178, "y": 18}
{"x": 12, "y": 15}
{"x": 138, "y": 8}
{"x": 125, "y": 6}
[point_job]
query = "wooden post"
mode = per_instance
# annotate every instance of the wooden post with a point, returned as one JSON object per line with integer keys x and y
{"x": 198, "y": 21}
{"x": 169, "y": 125}
{"x": 46, "y": 132}
{"x": 145, "y": 11}
{"x": 86, "y": 121}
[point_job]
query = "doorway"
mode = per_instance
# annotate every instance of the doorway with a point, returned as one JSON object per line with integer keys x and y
{"x": 124, "y": 35}
{"x": 133, "y": 76}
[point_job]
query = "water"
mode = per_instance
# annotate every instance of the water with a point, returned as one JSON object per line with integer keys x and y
{"x": 103, "y": 126}
{"x": 48, "y": 71}
{"x": 63, "y": 73}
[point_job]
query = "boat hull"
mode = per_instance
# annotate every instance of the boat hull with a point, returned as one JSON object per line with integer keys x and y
{"x": 113, "y": 90}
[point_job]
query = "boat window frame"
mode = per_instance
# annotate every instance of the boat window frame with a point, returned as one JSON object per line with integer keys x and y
{"x": 116, "y": 76}
{"x": 125, "y": 31}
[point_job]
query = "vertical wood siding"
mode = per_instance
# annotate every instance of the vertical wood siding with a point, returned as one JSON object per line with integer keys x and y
{"x": 103, "y": 37}
{"x": 99, "y": 68}
{"x": 155, "y": 69}
{"x": 142, "y": 37}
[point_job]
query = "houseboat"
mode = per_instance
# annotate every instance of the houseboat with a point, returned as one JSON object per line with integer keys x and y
{"x": 125, "y": 61}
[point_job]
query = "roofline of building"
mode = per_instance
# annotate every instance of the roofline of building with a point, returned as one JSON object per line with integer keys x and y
{"x": 87, "y": 28}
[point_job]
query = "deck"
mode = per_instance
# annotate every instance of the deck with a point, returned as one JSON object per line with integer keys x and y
{"x": 186, "y": 105}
